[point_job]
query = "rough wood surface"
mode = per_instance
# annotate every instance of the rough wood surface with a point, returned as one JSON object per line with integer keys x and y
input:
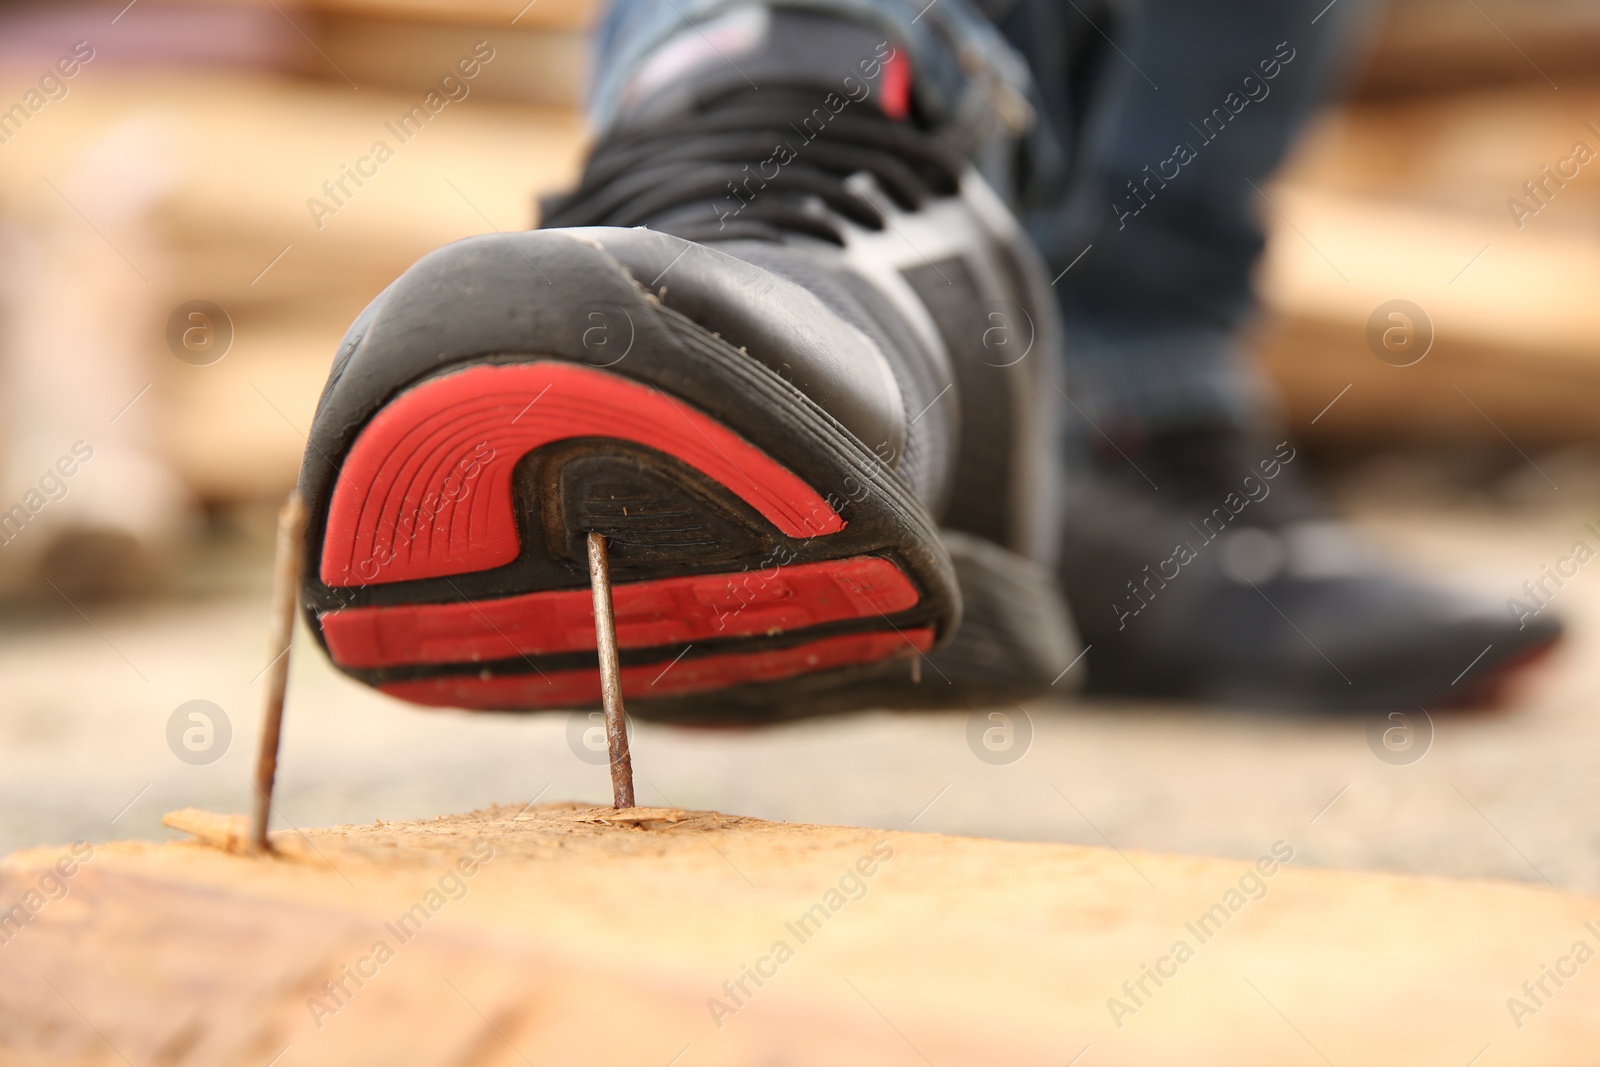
{"x": 584, "y": 935}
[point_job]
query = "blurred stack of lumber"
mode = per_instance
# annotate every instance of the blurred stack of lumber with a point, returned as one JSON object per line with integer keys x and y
{"x": 1402, "y": 195}
{"x": 250, "y": 147}
{"x": 1408, "y": 199}
{"x": 543, "y": 46}
{"x": 1437, "y": 46}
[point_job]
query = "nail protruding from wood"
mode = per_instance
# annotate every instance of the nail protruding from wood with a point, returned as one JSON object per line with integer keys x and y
{"x": 285, "y": 594}
{"x": 605, "y": 633}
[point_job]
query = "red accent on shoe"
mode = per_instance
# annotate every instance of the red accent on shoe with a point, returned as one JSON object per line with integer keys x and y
{"x": 426, "y": 488}
{"x": 665, "y": 611}
{"x": 894, "y": 89}
{"x": 559, "y": 689}
{"x": 1504, "y": 683}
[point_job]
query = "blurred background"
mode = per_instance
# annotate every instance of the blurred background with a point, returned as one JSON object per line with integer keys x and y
{"x": 182, "y": 245}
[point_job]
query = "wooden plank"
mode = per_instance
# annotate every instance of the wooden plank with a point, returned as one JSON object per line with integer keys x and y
{"x": 1410, "y": 202}
{"x": 1432, "y": 45}
{"x": 243, "y": 157}
{"x": 539, "y": 64}
{"x": 237, "y": 159}
{"x": 1514, "y": 334}
{"x": 541, "y": 14}
{"x": 582, "y": 935}
{"x": 1391, "y": 201}
{"x": 551, "y": 14}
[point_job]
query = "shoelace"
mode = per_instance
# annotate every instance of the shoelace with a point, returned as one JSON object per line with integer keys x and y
{"x": 755, "y": 166}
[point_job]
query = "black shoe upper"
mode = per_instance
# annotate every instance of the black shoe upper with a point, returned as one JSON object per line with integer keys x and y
{"x": 819, "y": 178}
{"x": 822, "y": 178}
{"x": 1203, "y": 566}
{"x": 803, "y": 334}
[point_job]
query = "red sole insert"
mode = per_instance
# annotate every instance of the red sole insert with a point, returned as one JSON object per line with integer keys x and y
{"x": 665, "y": 611}
{"x": 565, "y": 689}
{"x": 425, "y": 490}
{"x": 1502, "y": 684}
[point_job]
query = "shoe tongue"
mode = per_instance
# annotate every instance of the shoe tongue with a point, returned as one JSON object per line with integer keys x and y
{"x": 844, "y": 63}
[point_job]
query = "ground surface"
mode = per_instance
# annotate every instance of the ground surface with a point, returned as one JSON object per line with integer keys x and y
{"x": 84, "y": 749}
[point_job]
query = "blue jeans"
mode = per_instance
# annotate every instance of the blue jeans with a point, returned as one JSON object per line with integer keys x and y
{"x": 1132, "y": 137}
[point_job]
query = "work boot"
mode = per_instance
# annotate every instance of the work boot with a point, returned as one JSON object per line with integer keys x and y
{"x": 1203, "y": 567}
{"x": 782, "y": 348}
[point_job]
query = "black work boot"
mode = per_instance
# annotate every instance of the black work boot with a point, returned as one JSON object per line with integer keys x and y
{"x": 781, "y": 347}
{"x": 1201, "y": 566}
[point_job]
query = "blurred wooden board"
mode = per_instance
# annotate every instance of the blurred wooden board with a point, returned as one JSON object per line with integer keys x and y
{"x": 1389, "y": 201}
{"x": 580, "y": 935}
{"x": 1436, "y": 45}
{"x": 553, "y": 14}
{"x": 540, "y": 64}
{"x": 1515, "y": 348}
{"x": 538, "y": 14}
{"x": 1463, "y": 153}
{"x": 242, "y": 157}
{"x": 1409, "y": 201}
{"x": 237, "y": 158}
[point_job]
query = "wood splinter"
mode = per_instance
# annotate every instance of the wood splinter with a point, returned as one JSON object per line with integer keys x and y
{"x": 605, "y": 633}
{"x": 285, "y": 591}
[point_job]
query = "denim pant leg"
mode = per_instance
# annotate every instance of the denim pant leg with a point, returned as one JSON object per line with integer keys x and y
{"x": 1174, "y": 144}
